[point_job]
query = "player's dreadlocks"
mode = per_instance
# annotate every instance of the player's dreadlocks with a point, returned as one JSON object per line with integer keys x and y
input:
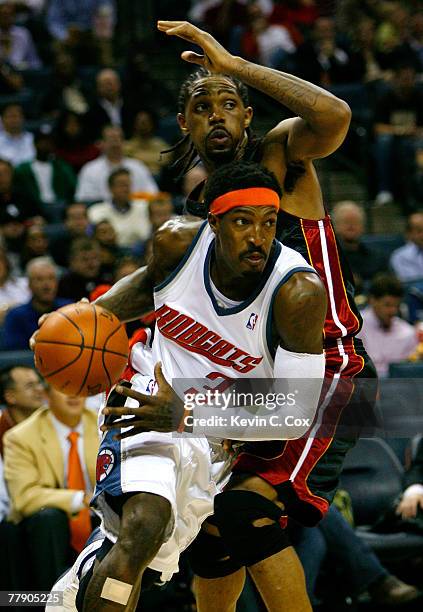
{"x": 239, "y": 175}
{"x": 188, "y": 156}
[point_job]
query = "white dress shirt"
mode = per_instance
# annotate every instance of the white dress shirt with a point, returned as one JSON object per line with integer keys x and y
{"x": 17, "y": 149}
{"x": 407, "y": 262}
{"x": 387, "y": 346}
{"x": 93, "y": 176}
{"x": 131, "y": 226}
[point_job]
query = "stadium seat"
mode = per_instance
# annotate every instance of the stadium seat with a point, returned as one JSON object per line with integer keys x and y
{"x": 406, "y": 370}
{"x": 14, "y": 358}
{"x": 373, "y": 476}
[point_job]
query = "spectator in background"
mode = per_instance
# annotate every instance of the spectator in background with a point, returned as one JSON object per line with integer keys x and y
{"x": 72, "y": 140}
{"x": 16, "y": 144}
{"x": 11, "y": 82}
{"x": 139, "y": 84}
{"x": 297, "y": 15}
{"x": 334, "y": 540}
{"x": 393, "y": 36}
{"x": 76, "y": 226}
{"x": 47, "y": 179}
{"x": 160, "y": 210}
{"x": 12, "y": 230}
{"x": 93, "y": 177}
{"x": 110, "y": 251}
{"x": 411, "y": 502}
{"x": 84, "y": 270}
{"x": 266, "y": 43}
{"x": 221, "y": 19}
{"x": 126, "y": 265}
{"x": 145, "y": 145}
{"x": 363, "y": 43}
{"x": 387, "y": 338}
{"x": 12, "y": 566}
{"x": 16, "y": 45}
{"x": 22, "y": 393}
{"x": 14, "y": 290}
{"x": 66, "y": 91}
{"x": 49, "y": 466}
{"x": 22, "y": 321}
{"x": 128, "y": 217}
{"x": 416, "y": 38}
{"x": 323, "y": 61}
{"x": 407, "y": 261}
{"x": 72, "y": 23}
{"x": 349, "y": 222}
{"x": 398, "y": 126}
{"x": 11, "y": 201}
{"x": 109, "y": 107}
{"x": 35, "y": 244}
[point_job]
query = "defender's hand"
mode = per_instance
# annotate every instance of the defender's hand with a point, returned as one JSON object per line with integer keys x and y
{"x": 215, "y": 57}
{"x": 161, "y": 412}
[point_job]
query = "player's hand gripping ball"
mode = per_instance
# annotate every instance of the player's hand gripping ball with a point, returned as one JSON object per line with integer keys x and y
{"x": 81, "y": 349}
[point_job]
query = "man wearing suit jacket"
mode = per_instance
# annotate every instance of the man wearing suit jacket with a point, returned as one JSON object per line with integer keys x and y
{"x": 412, "y": 498}
{"x": 49, "y": 465}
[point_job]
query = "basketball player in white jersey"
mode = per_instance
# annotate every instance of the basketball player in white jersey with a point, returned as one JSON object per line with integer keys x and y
{"x": 154, "y": 489}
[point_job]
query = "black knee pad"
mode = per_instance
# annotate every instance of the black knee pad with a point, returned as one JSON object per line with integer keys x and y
{"x": 235, "y": 512}
{"x": 209, "y": 557}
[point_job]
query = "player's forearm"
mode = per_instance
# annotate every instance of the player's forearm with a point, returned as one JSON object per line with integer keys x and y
{"x": 131, "y": 297}
{"x": 321, "y": 109}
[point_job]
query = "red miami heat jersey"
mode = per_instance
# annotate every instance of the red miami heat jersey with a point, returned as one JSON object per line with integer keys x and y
{"x": 198, "y": 338}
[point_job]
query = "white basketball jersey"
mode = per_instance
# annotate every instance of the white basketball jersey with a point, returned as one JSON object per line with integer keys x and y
{"x": 197, "y": 338}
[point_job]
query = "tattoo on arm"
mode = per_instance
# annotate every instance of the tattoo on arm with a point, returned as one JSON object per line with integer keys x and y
{"x": 131, "y": 297}
{"x": 301, "y": 97}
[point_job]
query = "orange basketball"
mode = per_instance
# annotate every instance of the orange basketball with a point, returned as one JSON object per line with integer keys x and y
{"x": 81, "y": 349}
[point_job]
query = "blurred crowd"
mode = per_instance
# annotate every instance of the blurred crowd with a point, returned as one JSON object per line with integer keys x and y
{"x": 87, "y": 128}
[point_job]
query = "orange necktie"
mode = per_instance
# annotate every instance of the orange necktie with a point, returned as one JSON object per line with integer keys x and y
{"x": 80, "y": 525}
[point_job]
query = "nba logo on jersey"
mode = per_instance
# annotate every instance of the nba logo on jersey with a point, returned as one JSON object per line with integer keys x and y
{"x": 105, "y": 463}
{"x": 151, "y": 386}
{"x": 252, "y": 321}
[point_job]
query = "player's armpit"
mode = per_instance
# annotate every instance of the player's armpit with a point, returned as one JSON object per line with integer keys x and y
{"x": 299, "y": 313}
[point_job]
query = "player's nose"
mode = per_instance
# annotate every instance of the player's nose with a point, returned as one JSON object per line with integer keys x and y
{"x": 216, "y": 116}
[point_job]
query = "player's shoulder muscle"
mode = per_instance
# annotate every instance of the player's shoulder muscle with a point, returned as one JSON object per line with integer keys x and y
{"x": 170, "y": 243}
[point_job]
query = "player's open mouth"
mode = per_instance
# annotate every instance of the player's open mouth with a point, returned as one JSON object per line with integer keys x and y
{"x": 219, "y": 136}
{"x": 254, "y": 258}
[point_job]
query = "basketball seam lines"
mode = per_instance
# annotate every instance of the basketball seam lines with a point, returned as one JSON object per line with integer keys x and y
{"x": 85, "y": 346}
{"x": 104, "y": 350}
{"x": 92, "y": 351}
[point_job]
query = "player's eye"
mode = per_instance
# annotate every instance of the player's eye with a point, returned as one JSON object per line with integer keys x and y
{"x": 230, "y": 104}
{"x": 200, "y": 107}
{"x": 270, "y": 222}
{"x": 241, "y": 221}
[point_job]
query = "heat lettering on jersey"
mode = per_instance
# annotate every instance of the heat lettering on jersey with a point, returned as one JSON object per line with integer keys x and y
{"x": 197, "y": 338}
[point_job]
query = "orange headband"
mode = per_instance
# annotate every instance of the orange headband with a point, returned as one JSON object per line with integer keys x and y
{"x": 252, "y": 196}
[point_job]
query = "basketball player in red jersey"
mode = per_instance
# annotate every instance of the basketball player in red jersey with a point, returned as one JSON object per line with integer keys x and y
{"x": 215, "y": 116}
